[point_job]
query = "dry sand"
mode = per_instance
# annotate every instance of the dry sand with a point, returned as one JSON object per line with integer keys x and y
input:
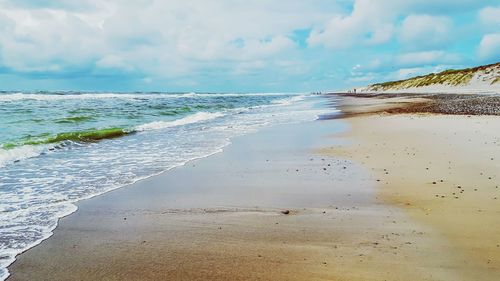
{"x": 443, "y": 170}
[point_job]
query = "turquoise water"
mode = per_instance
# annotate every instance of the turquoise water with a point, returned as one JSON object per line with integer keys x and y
{"x": 40, "y": 118}
{"x": 59, "y": 148}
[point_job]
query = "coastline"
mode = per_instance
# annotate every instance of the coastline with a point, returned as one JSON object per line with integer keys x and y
{"x": 221, "y": 218}
{"x": 294, "y": 203}
{"x": 55, "y": 176}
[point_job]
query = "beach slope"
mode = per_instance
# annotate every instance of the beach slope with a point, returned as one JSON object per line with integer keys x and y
{"x": 442, "y": 168}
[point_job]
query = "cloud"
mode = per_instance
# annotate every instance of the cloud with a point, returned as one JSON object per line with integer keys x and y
{"x": 49, "y": 4}
{"x": 158, "y": 38}
{"x": 489, "y": 48}
{"x": 368, "y": 23}
{"x": 408, "y": 60}
{"x": 405, "y": 73}
{"x": 445, "y": 6}
{"x": 373, "y": 22}
{"x": 113, "y": 62}
{"x": 490, "y": 16}
{"x": 426, "y": 58}
{"x": 425, "y": 31}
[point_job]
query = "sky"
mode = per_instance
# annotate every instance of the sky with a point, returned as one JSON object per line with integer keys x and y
{"x": 238, "y": 45}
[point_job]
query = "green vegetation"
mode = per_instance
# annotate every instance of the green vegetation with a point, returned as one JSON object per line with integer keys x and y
{"x": 83, "y": 136}
{"x": 450, "y": 77}
{"x": 87, "y": 136}
{"x": 496, "y": 80}
{"x": 8, "y": 145}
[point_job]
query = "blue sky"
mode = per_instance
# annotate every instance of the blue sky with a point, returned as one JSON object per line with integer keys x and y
{"x": 236, "y": 45}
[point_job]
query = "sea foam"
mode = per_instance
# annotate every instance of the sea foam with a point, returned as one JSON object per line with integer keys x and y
{"x": 19, "y": 153}
{"x": 194, "y": 118}
{"x": 83, "y": 96}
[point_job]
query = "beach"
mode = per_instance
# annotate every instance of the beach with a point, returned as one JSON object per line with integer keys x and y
{"x": 441, "y": 168}
{"x": 373, "y": 194}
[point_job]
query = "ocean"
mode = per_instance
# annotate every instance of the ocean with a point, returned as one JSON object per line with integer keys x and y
{"x": 57, "y": 148}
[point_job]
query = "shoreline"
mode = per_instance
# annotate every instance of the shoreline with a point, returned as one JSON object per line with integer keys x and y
{"x": 221, "y": 218}
{"x": 74, "y": 205}
{"x": 87, "y": 182}
{"x": 318, "y": 200}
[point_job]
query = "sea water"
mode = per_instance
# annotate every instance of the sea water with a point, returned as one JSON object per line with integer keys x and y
{"x": 57, "y": 148}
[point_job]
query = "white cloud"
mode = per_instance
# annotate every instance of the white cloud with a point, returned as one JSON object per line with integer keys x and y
{"x": 405, "y": 73}
{"x": 365, "y": 78}
{"x": 425, "y": 31}
{"x": 489, "y": 48}
{"x": 490, "y": 15}
{"x": 155, "y": 38}
{"x": 147, "y": 80}
{"x": 426, "y": 57}
{"x": 369, "y": 23}
{"x": 113, "y": 62}
{"x": 374, "y": 22}
{"x": 374, "y": 64}
{"x": 409, "y": 60}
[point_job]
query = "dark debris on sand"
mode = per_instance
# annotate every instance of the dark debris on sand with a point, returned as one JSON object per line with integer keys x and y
{"x": 453, "y": 104}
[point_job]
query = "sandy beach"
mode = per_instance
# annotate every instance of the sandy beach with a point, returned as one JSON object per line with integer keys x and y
{"x": 370, "y": 196}
{"x": 443, "y": 170}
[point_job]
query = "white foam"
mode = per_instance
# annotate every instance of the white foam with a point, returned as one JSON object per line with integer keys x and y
{"x": 194, "y": 118}
{"x": 9, "y": 255}
{"x": 28, "y": 96}
{"x": 18, "y": 153}
{"x": 290, "y": 100}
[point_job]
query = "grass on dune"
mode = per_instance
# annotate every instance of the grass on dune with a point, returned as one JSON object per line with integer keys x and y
{"x": 452, "y": 77}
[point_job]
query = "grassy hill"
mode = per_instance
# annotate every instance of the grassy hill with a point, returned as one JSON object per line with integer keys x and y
{"x": 481, "y": 76}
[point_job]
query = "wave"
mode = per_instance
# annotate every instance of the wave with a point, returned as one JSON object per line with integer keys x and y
{"x": 73, "y": 96}
{"x": 82, "y": 136}
{"x": 34, "y": 146}
{"x": 94, "y": 135}
{"x": 194, "y": 118}
{"x": 289, "y": 100}
{"x": 75, "y": 119}
{"x": 19, "y": 153}
{"x": 77, "y": 136}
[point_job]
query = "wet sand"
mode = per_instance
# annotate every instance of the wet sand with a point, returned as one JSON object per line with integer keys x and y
{"x": 443, "y": 170}
{"x": 267, "y": 208}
